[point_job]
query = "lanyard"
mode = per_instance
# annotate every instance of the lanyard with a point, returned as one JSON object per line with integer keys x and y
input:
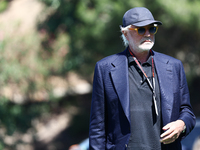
{"x": 152, "y": 87}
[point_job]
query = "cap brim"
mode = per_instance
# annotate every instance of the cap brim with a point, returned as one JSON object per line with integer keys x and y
{"x": 147, "y": 22}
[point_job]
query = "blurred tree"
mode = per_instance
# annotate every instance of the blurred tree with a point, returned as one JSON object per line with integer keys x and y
{"x": 93, "y": 29}
{"x": 3, "y": 5}
{"x": 72, "y": 36}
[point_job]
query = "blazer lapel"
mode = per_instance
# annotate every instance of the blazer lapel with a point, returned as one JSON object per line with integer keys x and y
{"x": 119, "y": 75}
{"x": 164, "y": 71}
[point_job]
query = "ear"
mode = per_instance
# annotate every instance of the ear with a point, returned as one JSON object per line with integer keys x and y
{"x": 125, "y": 34}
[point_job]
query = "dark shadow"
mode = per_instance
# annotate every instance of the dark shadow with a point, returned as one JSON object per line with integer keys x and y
{"x": 194, "y": 87}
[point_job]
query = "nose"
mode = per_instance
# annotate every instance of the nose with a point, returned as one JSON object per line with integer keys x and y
{"x": 147, "y": 34}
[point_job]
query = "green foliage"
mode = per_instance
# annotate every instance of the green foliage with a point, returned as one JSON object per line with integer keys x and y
{"x": 180, "y": 13}
{"x": 93, "y": 30}
{"x": 28, "y": 62}
{"x": 3, "y": 5}
{"x": 19, "y": 117}
{"x": 73, "y": 36}
{"x": 93, "y": 27}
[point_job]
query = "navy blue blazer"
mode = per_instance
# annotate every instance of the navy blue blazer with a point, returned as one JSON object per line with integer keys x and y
{"x": 110, "y": 117}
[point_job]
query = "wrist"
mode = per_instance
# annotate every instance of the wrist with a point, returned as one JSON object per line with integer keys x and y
{"x": 184, "y": 129}
{"x": 183, "y": 125}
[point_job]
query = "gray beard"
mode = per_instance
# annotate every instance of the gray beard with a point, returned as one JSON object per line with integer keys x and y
{"x": 141, "y": 48}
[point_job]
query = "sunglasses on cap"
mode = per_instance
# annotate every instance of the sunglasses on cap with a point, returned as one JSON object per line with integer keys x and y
{"x": 142, "y": 30}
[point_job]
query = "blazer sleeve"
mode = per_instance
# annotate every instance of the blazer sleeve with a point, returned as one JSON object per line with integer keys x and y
{"x": 97, "y": 138}
{"x": 186, "y": 112}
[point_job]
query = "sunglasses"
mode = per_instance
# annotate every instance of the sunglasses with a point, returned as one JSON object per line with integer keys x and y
{"x": 142, "y": 30}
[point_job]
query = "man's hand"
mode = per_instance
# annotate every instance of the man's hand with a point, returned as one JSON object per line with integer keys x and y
{"x": 172, "y": 131}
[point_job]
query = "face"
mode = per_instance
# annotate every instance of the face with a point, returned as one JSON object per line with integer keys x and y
{"x": 140, "y": 43}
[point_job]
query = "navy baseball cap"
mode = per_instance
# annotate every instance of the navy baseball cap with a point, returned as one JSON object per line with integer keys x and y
{"x": 139, "y": 16}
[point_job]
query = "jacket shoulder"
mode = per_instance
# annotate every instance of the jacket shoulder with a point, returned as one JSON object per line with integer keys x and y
{"x": 112, "y": 58}
{"x": 166, "y": 58}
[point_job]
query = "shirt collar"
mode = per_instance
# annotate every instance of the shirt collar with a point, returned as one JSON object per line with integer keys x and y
{"x": 131, "y": 60}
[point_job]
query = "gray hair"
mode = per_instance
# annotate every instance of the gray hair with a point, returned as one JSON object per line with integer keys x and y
{"x": 125, "y": 29}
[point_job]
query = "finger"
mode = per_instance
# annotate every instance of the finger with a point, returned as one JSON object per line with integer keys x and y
{"x": 166, "y": 133}
{"x": 166, "y": 126}
{"x": 169, "y": 139}
{"x": 168, "y": 142}
{"x": 167, "y": 136}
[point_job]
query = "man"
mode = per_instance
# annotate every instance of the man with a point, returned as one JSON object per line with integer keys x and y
{"x": 140, "y": 97}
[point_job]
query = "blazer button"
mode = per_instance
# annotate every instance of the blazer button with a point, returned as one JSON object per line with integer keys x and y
{"x": 126, "y": 145}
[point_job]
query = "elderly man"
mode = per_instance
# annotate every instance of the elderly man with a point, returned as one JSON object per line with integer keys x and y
{"x": 140, "y": 98}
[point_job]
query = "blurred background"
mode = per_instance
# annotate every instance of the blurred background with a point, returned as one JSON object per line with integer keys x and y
{"x": 48, "y": 50}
